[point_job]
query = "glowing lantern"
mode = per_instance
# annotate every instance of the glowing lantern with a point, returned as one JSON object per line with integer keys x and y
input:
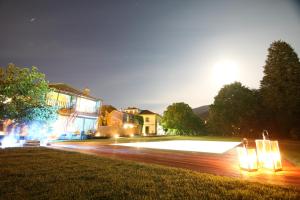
{"x": 268, "y": 154}
{"x": 263, "y": 149}
{"x": 247, "y": 158}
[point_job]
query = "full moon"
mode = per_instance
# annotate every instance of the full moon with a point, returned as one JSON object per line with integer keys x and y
{"x": 225, "y": 72}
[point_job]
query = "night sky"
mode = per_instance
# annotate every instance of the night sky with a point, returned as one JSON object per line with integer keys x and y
{"x": 145, "y": 53}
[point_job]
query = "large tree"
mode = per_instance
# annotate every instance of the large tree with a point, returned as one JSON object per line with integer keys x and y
{"x": 179, "y": 118}
{"x": 234, "y": 111}
{"x": 23, "y": 95}
{"x": 280, "y": 88}
{"x": 104, "y": 111}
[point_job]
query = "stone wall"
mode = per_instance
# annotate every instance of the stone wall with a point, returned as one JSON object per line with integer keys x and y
{"x": 111, "y": 131}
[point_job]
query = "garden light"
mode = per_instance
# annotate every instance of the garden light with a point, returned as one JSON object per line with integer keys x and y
{"x": 268, "y": 154}
{"x": 247, "y": 158}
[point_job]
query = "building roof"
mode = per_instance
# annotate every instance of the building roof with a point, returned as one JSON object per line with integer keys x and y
{"x": 147, "y": 112}
{"x": 130, "y": 108}
{"x": 71, "y": 90}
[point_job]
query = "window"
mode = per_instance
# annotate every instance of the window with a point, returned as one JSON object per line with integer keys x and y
{"x": 58, "y": 99}
{"x": 85, "y": 105}
{"x": 147, "y": 119}
{"x": 89, "y": 124}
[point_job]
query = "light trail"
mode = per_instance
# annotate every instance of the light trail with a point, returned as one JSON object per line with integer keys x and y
{"x": 186, "y": 145}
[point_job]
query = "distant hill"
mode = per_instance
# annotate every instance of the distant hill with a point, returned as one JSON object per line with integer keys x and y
{"x": 202, "y": 111}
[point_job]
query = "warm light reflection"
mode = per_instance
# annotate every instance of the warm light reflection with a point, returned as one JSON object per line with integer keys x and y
{"x": 186, "y": 145}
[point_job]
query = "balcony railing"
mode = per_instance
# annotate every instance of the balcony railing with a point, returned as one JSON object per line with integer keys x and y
{"x": 60, "y": 104}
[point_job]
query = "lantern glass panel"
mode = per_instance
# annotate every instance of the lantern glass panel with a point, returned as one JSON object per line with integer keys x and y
{"x": 276, "y": 155}
{"x": 247, "y": 159}
{"x": 268, "y": 154}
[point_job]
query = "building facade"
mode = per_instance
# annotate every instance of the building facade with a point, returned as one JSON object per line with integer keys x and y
{"x": 132, "y": 110}
{"x": 152, "y": 121}
{"x": 78, "y": 111}
{"x": 119, "y": 123}
{"x": 119, "y": 118}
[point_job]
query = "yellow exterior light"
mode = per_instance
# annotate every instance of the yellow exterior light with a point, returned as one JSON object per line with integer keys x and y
{"x": 128, "y": 125}
{"x": 247, "y": 159}
{"x": 98, "y": 134}
{"x": 116, "y": 136}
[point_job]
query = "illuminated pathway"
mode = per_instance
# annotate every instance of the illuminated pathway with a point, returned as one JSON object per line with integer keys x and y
{"x": 225, "y": 164}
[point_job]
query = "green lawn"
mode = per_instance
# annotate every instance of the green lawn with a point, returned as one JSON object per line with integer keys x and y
{"x": 41, "y": 173}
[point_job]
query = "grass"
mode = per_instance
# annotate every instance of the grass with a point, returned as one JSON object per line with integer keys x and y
{"x": 41, "y": 173}
{"x": 291, "y": 151}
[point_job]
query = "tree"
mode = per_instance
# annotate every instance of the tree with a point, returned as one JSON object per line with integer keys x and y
{"x": 23, "y": 95}
{"x": 234, "y": 111}
{"x": 104, "y": 110}
{"x": 280, "y": 88}
{"x": 179, "y": 118}
{"x": 137, "y": 119}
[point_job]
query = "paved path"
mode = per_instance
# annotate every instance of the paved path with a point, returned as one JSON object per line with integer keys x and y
{"x": 219, "y": 164}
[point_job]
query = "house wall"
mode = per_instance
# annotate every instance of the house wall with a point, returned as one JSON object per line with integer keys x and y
{"x": 112, "y": 131}
{"x": 73, "y": 110}
{"x": 3, "y": 126}
{"x": 74, "y": 124}
{"x": 133, "y": 111}
{"x": 151, "y": 122}
{"x": 86, "y": 105}
{"x": 118, "y": 123}
{"x": 81, "y": 104}
{"x": 115, "y": 118}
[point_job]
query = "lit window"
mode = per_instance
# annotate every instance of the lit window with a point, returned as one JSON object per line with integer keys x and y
{"x": 85, "y": 105}
{"x": 58, "y": 99}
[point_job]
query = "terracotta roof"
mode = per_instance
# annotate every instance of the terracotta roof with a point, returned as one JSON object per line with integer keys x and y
{"x": 131, "y": 108}
{"x": 71, "y": 90}
{"x": 147, "y": 112}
